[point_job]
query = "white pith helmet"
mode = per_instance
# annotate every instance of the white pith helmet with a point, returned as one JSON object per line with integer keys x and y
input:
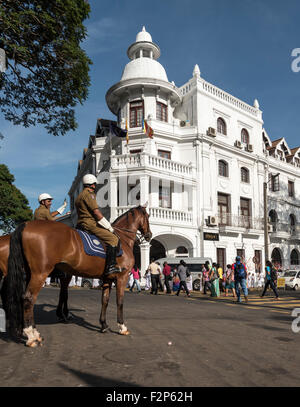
{"x": 89, "y": 179}
{"x": 44, "y": 196}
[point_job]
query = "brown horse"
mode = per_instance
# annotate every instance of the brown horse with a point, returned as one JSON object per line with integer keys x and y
{"x": 36, "y": 247}
{"x": 62, "y": 311}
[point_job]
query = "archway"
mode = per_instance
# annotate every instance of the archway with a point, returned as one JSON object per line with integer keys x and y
{"x": 157, "y": 250}
{"x": 276, "y": 258}
{"x": 294, "y": 258}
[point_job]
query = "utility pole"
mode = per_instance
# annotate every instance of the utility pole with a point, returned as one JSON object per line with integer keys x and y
{"x": 2, "y": 60}
{"x": 266, "y": 223}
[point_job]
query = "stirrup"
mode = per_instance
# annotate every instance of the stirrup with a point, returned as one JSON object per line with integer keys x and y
{"x": 113, "y": 269}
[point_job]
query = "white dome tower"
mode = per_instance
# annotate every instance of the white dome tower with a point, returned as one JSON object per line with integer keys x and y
{"x": 144, "y": 79}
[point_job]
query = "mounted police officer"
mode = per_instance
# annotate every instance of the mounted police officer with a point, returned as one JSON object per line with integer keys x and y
{"x": 91, "y": 220}
{"x": 43, "y": 211}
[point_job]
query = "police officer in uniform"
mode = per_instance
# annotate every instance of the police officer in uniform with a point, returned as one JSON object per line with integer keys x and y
{"x": 91, "y": 220}
{"x": 43, "y": 211}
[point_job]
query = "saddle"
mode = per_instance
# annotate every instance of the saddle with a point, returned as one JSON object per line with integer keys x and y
{"x": 93, "y": 246}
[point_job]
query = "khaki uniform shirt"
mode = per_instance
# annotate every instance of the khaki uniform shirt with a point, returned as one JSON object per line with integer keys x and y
{"x": 42, "y": 213}
{"x": 85, "y": 204}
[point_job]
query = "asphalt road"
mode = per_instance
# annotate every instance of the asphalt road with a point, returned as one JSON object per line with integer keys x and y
{"x": 174, "y": 342}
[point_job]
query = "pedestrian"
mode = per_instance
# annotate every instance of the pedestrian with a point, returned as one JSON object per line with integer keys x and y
{"x": 240, "y": 279}
{"x": 95, "y": 283}
{"x": 78, "y": 281}
{"x": 136, "y": 278}
{"x": 167, "y": 275}
{"x": 214, "y": 281}
{"x": 72, "y": 283}
{"x": 229, "y": 280}
{"x": 147, "y": 277}
{"x": 154, "y": 269}
{"x": 160, "y": 276}
{"x": 182, "y": 273}
{"x": 220, "y": 273}
{"x": 205, "y": 274}
{"x": 176, "y": 280}
{"x": 271, "y": 278}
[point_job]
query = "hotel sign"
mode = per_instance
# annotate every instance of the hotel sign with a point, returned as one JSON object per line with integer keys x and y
{"x": 210, "y": 236}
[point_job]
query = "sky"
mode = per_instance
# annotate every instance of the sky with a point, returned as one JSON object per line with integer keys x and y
{"x": 242, "y": 46}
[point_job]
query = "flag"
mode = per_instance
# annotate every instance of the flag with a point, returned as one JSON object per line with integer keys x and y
{"x": 117, "y": 131}
{"x": 147, "y": 129}
{"x": 127, "y": 137}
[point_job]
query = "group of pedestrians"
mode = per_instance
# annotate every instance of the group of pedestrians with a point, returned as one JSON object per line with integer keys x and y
{"x": 176, "y": 279}
{"x": 235, "y": 279}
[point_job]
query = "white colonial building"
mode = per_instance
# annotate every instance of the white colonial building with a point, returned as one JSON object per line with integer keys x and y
{"x": 202, "y": 173}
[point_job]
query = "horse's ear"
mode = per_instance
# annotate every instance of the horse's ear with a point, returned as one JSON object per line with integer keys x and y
{"x": 145, "y": 205}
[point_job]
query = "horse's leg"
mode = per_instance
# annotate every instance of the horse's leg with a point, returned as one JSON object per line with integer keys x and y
{"x": 35, "y": 284}
{"x": 106, "y": 288}
{"x": 121, "y": 283}
{"x": 62, "y": 311}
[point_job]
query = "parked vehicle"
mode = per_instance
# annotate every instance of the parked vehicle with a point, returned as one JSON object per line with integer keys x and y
{"x": 194, "y": 265}
{"x": 292, "y": 279}
{"x": 88, "y": 283}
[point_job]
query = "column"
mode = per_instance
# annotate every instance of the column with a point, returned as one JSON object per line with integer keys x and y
{"x": 145, "y": 254}
{"x": 113, "y": 197}
{"x": 144, "y": 194}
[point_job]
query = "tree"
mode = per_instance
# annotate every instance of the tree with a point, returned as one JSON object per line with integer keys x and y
{"x": 14, "y": 207}
{"x": 47, "y": 71}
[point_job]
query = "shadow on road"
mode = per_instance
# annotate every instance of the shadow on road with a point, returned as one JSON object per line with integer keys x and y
{"x": 96, "y": 381}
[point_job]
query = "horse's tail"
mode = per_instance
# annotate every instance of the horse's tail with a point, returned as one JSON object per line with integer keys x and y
{"x": 14, "y": 284}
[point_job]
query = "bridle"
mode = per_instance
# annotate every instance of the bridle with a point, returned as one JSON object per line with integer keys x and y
{"x": 139, "y": 238}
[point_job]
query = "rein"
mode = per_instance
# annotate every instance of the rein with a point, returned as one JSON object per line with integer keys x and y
{"x": 139, "y": 239}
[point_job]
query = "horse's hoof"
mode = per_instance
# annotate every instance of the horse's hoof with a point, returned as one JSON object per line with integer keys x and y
{"x": 104, "y": 330}
{"x": 32, "y": 344}
{"x": 124, "y": 332}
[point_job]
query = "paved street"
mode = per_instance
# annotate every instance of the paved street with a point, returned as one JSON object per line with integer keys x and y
{"x": 214, "y": 342}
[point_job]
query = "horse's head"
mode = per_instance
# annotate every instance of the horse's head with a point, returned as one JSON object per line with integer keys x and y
{"x": 144, "y": 226}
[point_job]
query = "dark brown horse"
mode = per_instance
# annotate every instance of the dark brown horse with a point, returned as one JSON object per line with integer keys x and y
{"x": 37, "y": 247}
{"x": 62, "y": 311}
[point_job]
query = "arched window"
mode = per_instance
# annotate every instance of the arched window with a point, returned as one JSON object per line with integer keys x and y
{"x": 182, "y": 251}
{"x": 223, "y": 168}
{"x": 292, "y": 220}
{"x": 221, "y": 126}
{"x": 276, "y": 258}
{"x": 273, "y": 218}
{"x": 245, "y": 136}
{"x": 245, "y": 177}
{"x": 294, "y": 258}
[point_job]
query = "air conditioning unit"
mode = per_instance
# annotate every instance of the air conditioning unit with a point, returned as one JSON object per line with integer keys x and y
{"x": 250, "y": 148}
{"x": 238, "y": 143}
{"x": 211, "y": 132}
{"x": 270, "y": 228}
{"x": 182, "y": 123}
{"x": 212, "y": 221}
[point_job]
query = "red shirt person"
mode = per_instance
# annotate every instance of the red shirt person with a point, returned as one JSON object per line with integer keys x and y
{"x": 168, "y": 278}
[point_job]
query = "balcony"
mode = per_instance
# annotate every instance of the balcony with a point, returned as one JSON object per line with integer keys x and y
{"x": 164, "y": 216}
{"x": 151, "y": 162}
{"x": 228, "y": 222}
{"x": 284, "y": 231}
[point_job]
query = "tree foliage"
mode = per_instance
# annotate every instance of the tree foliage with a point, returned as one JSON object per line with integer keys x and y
{"x": 14, "y": 207}
{"x": 47, "y": 71}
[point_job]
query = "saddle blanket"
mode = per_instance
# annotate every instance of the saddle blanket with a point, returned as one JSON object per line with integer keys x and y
{"x": 93, "y": 246}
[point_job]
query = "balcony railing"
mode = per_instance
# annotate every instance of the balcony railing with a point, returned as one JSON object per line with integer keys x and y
{"x": 144, "y": 160}
{"x": 164, "y": 215}
{"x": 279, "y": 227}
{"x": 240, "y": 221}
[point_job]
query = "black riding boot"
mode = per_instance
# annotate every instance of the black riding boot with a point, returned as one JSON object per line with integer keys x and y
{"x": 111, "y": 266}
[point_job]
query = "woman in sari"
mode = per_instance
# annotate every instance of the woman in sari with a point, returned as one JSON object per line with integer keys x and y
{"x": 214, "y": 280}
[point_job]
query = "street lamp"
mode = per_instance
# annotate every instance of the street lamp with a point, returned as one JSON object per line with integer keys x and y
{"x": 266, "y": 223}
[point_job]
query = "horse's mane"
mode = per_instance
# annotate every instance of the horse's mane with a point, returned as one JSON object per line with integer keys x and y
{"x": 130, "y": 211}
